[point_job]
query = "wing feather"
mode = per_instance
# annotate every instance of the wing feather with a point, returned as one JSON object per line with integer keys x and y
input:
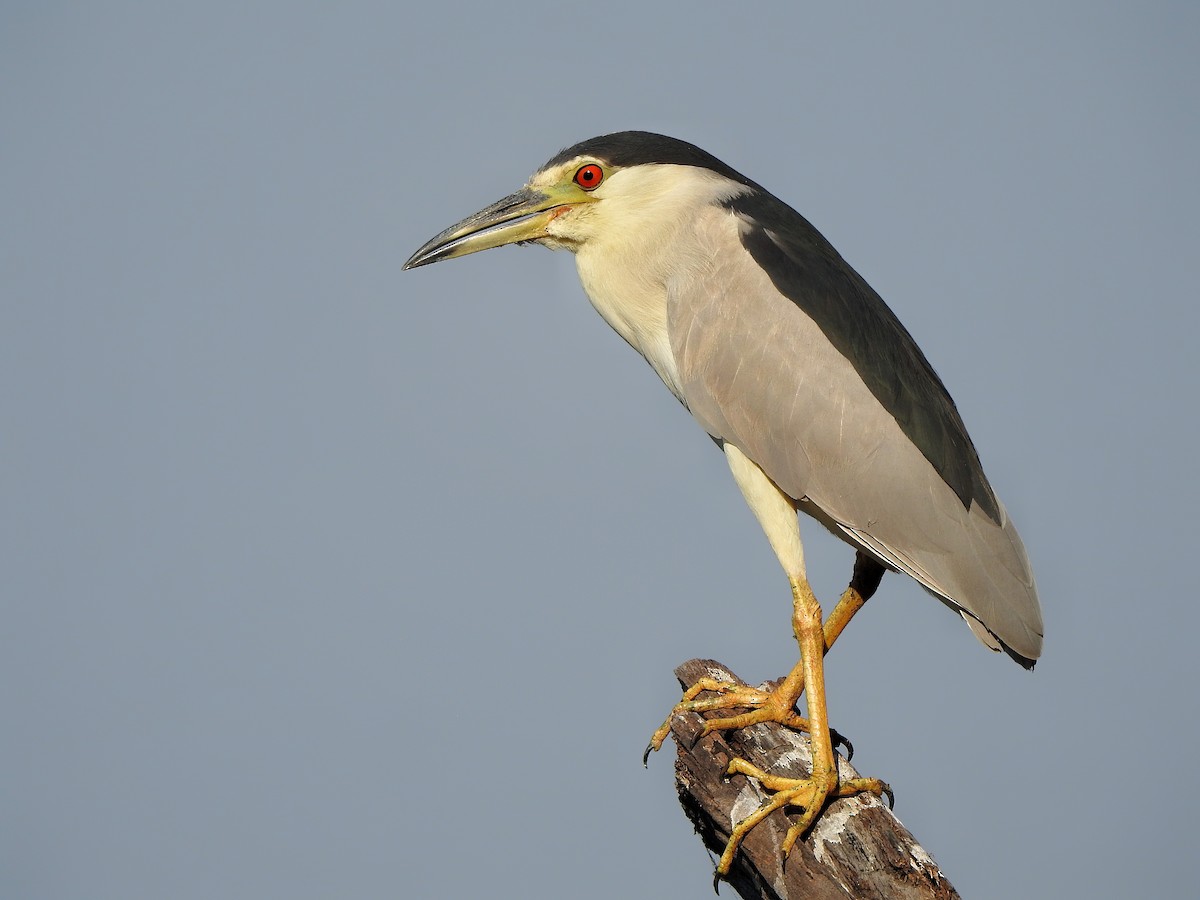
{"x": 765, "y": 371}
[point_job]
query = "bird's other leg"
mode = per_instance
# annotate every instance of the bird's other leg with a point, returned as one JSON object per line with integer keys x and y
{"x": 864, "y": 581}
{"x": 863, "y": 584}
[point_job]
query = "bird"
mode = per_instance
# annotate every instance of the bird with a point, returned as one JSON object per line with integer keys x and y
{"x": 819, "y": 398}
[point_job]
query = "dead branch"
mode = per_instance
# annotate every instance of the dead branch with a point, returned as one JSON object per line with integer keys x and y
{"x": 857, "y": 849}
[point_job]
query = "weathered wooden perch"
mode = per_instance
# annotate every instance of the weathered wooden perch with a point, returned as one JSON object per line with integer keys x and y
{"x": 857, "y": 849}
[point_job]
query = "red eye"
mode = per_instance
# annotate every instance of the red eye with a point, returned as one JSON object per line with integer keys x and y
{"x": 589, "y": 177}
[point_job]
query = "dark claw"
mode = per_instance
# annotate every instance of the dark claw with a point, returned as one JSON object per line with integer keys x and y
{"x": 840, "y": 740}
{"x": 891, "y": 797}
{"x": 717, "y": 882}
{"x": 646, "y": 756}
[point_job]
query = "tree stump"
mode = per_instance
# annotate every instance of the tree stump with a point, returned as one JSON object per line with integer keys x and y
{"x": 857, "y": 849}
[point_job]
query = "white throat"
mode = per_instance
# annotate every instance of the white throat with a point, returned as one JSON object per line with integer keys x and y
{"x": 652, "y": 225}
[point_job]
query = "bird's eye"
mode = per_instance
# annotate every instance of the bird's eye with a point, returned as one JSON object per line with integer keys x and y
{"x": 589, "y": 177}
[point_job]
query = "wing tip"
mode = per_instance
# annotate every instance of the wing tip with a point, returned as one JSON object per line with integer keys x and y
{"x": 1023, "y": 661}
{"x": 993, "y": 642}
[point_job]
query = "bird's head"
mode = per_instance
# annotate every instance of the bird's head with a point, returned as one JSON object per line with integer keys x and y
{"x": 608, "y": 185}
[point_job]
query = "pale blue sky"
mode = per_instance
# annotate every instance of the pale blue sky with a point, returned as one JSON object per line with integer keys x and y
{"x": 285, "y": 530}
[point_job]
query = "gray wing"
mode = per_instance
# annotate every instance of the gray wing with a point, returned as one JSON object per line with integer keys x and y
{"x": 796, "y": 361}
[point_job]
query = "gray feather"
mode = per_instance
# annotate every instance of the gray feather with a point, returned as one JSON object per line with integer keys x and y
{"x": 806, "y": 269}
{"x": 759, "y": 370}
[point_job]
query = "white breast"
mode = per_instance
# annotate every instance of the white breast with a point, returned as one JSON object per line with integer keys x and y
{"x": 635, "y": 308}
{"x": 655, "y": 231}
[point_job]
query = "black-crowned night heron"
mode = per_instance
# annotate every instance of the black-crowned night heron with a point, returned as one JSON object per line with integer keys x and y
{"x": 820, "y": 399}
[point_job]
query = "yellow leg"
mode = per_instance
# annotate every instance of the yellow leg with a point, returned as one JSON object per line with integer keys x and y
{"x": 777, "y": 705}
{"x": 812, "y": 793}
{"x": 776, "y": 513}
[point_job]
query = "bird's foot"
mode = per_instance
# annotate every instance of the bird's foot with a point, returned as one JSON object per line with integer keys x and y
{"x": 810, "y": 794}
{"x": 764, "y": 706}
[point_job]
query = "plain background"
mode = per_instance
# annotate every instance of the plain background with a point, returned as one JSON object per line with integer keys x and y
{"x": 320, "y": 579}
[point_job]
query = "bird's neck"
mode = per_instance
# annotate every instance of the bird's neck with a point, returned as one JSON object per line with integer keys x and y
{"x": 633, "y": 301}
